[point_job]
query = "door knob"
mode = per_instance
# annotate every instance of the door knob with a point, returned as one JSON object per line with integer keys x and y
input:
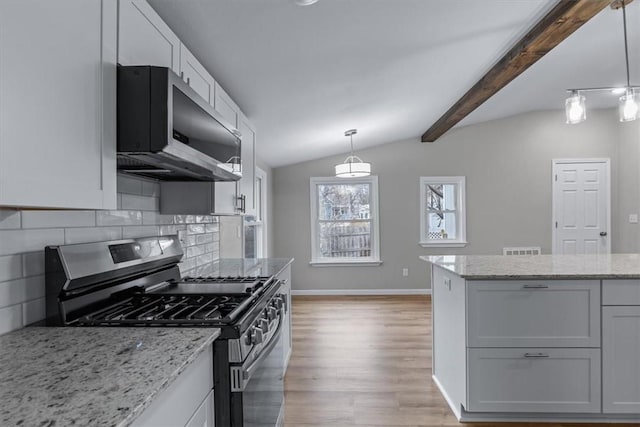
{"x": 603, "y": 233}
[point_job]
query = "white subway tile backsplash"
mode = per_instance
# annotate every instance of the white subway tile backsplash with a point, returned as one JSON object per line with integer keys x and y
{"x": 10, "y": 267}
{"x": 204, "y": 259}
{"x": 186, "y": 240}
{"x": 9, "y": 219}
{"x": 204, "y": 238}
{"x": 97, "y": 234}
{"x": 154, "y": 218}
{"x": 20, "y": 241}
{"x": 21, "y": 290}
{"x": 139, "y": 231}
{"x": 129, "y": 185}
{"x": 194, "y": 251}
{"x": 33, "y": 264}
{"x": 195, "y": 228}
{"x": 58, "y": 219}
{"x": 150, "y": 188}
{"x": 33, "y": 311}
{"x": 212, "y": 228}
{"x": 166, "y": 230}
{"x": 110, "y": 218}
{"x": 143, "y": 203}
{"x": 10, "y": 318}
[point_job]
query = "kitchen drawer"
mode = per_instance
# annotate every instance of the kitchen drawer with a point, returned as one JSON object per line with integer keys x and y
{"x": 621, "y": 292}
{"x": 555, "y": 313}
{"x": 550, "y": 380}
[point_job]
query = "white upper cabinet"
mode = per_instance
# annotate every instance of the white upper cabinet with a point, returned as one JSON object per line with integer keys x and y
{"x": 58, "y": 104}
{"x": 145, "y": 39}
{"x": 196, "y": 75}
{"x": 248, "y": 181}
{"x": 225, "y": 106}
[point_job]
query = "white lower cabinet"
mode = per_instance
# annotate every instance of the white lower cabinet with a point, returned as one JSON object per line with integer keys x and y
{"x": 205, "y": 415}
{"x": 285, "y": 277}
{"x": 621, "y": 359}
{"x": 553, "y": 380}
{"x": 188, "y": 401}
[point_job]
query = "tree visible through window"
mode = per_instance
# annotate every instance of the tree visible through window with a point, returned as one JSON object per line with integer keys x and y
{"x": 344, "y": 217}
{"x": 442, "y": 211}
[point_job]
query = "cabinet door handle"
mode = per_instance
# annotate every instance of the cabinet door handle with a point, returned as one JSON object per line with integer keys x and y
{"x": 536, "y": 286}
{"x": 535, "y": 355}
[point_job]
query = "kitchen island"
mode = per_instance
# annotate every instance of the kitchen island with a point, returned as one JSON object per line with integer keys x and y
{"x": 93, "y": 376}
{"x": 538, "y": 338}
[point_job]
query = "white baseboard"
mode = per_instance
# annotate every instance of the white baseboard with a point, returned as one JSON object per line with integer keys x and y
{"x": 454, "y": 409}
{"x": 361, "y": 292}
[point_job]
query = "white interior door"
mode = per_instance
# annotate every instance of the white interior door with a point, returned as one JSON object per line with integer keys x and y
{"x": 581, "y": 206}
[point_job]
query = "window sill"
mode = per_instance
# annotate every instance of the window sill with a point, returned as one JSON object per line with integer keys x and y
{"x": 445, "y": 244}
{"x": 369, "y": 263}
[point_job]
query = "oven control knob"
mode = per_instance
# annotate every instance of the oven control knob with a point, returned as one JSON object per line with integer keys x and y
{"x": 256, "y": 335}
{"x": 264, "y": 325}
{"x": 272, "y": 313}
{"x": 278, "y": 302}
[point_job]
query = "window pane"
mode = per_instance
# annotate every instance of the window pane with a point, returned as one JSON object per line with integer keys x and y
{"x": 441, "y": 226}
{"x": 441, "y": 197}
{"x": 345, "y": 239}
{"x": 343, "y": 201}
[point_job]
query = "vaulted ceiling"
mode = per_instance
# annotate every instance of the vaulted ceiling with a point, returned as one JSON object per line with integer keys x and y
{"x": 390, "y": 68}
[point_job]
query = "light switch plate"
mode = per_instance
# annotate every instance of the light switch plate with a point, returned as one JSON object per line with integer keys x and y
{"x": 633, "y": 218}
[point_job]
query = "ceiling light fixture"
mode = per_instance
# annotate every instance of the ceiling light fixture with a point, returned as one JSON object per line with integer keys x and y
{"x": 353, "y": 166}
{"x": 305, "y": 2}
{"x": 628, "y": 103}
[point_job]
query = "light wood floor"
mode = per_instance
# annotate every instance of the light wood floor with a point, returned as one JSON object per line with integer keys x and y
{"x": 366, "y": 361}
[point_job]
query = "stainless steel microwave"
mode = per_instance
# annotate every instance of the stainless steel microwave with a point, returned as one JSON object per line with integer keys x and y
{"x": 167, "y": 131}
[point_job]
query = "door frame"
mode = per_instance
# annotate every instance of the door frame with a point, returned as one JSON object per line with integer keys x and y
{"x": 554, "y": 164}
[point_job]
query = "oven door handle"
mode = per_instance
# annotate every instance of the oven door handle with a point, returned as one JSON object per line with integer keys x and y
{"x": 247, "y": 373}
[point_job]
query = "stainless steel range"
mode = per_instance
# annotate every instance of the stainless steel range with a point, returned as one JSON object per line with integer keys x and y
{"x": 137, "y": 282}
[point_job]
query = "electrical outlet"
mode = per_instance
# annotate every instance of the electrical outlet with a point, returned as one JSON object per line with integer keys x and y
{"x": 447, "y": 283}
{"x": 405, "y": 272}
{"x": 633, "y": 218}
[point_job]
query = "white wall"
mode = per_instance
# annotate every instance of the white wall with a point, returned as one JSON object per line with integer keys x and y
{"x": 507, "y": 164}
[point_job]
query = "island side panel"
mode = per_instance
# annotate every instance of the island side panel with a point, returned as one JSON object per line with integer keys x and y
{"x": 449, "y": 336}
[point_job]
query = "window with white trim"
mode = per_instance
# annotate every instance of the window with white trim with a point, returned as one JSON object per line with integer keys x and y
{"x": 344, "y": 221}
{"x": 442, "y": 212}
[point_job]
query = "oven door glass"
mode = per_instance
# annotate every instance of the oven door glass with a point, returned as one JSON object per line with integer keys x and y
{"x": 263, "y": 396}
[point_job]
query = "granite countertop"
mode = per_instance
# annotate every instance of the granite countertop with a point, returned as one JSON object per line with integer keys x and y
{"x": 243, "y": 267}
{"x": 90, "y": 376}
{"x": 488, "y": 267}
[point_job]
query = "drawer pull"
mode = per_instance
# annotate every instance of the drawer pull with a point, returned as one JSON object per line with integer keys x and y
{"x": 536, "y": 286}
{"x": 535, "y": 355}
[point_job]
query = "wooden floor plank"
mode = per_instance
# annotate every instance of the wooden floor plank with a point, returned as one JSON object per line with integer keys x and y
{"x": 366, "y": 361}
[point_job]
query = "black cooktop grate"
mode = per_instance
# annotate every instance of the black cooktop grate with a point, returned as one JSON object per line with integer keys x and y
{"x": 166, "y": 309}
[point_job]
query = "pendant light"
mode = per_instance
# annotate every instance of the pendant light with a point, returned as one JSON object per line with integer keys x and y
{"x": 353, "y": 166}
{"x": 628, "y": 103}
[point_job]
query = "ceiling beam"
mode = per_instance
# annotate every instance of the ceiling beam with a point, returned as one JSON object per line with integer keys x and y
{"x": 565, "y": 17}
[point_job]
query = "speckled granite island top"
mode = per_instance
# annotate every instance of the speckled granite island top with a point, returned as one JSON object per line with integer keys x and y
{"x": 497, "y": 267}
{"x": 90, "y": 376}
{"x": 243, "y": 267}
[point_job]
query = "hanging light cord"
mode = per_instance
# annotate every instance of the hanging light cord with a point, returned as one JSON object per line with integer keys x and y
{"x": 351, "y": 138}
{"x": 626, "y": 47}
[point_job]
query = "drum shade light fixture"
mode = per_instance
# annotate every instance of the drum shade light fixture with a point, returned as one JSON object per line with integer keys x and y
{"x": 628, "y": 104}
{"x": 353, "y": 166}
